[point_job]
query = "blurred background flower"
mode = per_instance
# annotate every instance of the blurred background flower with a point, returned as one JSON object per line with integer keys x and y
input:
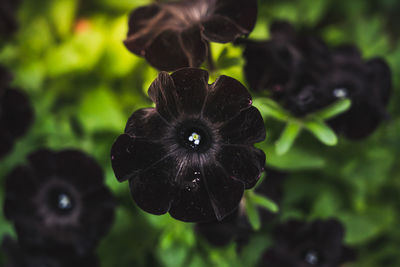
{"x": 18, "y": 256}
{"x": 16, "y": 113}
{"x": 177, "y": 34}
{"x": 300, "y": 71}
{"x": 318, "y": 243}
{"x": 58, "y": 202}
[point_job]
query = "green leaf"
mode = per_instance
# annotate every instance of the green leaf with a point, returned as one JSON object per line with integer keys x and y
{"x": 334, "y": 109}
{"x": 269, "y": 108}
{"x": 287, "y": 138}
{"x": 322, "y": 131}
{"x": 363, "y": 227}
{"x": 253, "y": 251}
{"x": 99, "y": 110}
{"x": 252, "y": 213}
{"x": 264, "y": 202}
{"x": 63, "y": 15}
{"x": 225, "y": 61}
{"x": 297, "y": 159}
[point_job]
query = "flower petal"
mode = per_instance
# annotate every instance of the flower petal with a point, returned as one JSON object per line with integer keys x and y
{"x": 241, "y": 12}
{"x": 20, "y": 182}
{"x": 381, "y": 79}
{"x": 130, "y": 156}
{"x": 5, "y": 79}
{"x": 282, "y": 29}
{"x": 243, "y": 163}
{"x": 140, "y": 33}
{"x": 221, "y": 233}
{"x": 224, "y": 191}
{"x": 163, "y": 93}
{"x": 43, "y": 162}
{"x": 99, "y": 208}
{"x": 221, "y": 29}
{"x": 227, "y": 98}
{"x": 357, "y": 123}
{"x": 191, "y": 87}
{"x": 269, "y": 65}
{"x": 246, "y": 128}
{"x": 192, "y": 203}
{"x": 344, "y": 54}
{"x": 146, "y": 123}
{"x": 194, "y": 46}
{"x": 17, "y": 112}
{"x": 86, "y": 174}
{"x": 166, "y": 52}
{"x": 152, "y": 189}
{"x": 6, "y": 142}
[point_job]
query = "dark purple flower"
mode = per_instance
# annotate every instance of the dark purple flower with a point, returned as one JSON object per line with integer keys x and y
{"x": 369, "y": 86}
{"x": 231, "y": 228}
{"x": 236, "y": 226}
{"x": 176, "y": 34}
{"x": 19, "y": 256}
{"x": 58, "y": 201}
{"x": 304, "y": 75}
{"x": 275, "y": 64}
{"x": 301, "y": 244}
{"x": 193, "y": 154}
{"x": 16, "y": 113}
{"x": 8, "y": 19}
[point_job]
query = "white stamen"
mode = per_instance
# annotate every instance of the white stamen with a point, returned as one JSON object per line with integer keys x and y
{"x": 340, "y": 92}
{"x": 312, "y": 258}
{"x": 195, "y": 138}
{"x": 64, "y": 202}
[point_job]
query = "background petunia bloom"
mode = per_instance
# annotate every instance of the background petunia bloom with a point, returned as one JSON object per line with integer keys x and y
{"x": 305, "y": 75}
{"x": 175, "y": 35}
{"x": 20, "y": 256}
{"x": 58, "y": 202}
{"x": 16, "y": 113}
{"x": 193, "y": 154}
{"x": 302, "y": 244}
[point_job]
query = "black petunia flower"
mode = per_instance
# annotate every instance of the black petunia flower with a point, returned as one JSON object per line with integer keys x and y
{"x": 368, "y": 85}
{"x": 276, "y": 64}
{"x": 175, "y": 35}
{"x": 16, "y": 113}
{"x": 301, "y": 244}
{"x": 221, "y": 233}
{"x": 236, "y": 226}
{"x": 304, "y": 75}
{"x": 58, "y": 202}
{"x": 19, "y": 256}
{"x": 193, "y": 154}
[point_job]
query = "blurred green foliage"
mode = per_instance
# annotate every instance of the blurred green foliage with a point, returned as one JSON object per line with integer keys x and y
{"x": 69, "y": 57}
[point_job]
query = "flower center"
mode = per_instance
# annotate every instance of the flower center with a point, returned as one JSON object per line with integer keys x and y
{"x": 311, "y": 257}
{"x": 194, "y": 136}
{"x": 60, "y": 201}
{"x": 194, "y": 139}
{"x": 64, "y": 202}
{"x": 340, "y": 92}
